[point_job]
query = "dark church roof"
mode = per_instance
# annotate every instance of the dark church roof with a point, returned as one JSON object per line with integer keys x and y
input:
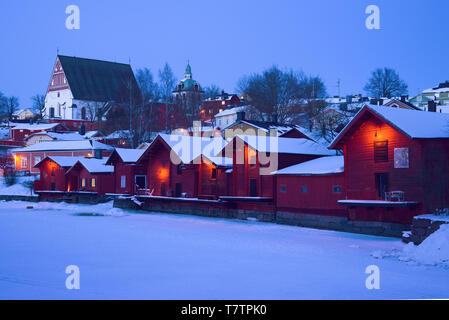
{"x": 97, "y": 80}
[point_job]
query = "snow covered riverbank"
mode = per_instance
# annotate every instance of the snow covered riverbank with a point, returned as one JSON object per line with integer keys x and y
{"x": 126, "y": 255}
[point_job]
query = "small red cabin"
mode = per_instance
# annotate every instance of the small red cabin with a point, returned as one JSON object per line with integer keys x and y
{"x": 91, "y": 175}
{"x": 312, "y": 187}
{"x": 53, "y": 173}
{"x": 130, "y": 177}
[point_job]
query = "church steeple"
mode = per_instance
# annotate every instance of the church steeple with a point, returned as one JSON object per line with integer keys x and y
{"x": 188, "y": 73}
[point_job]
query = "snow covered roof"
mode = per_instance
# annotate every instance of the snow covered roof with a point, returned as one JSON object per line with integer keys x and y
{"x": 61, "y": 145}
{"x": 60, "y": 136}
{"x": 90, "y": 134}
{"x": 320, "y": 166}
{"x": 120, "y": 134}
{"x": 286, "y": 145}
{"x": 189, "y": 147}
{"x": 231, "y": 111}
{"x": 415, "y": 124}
{"x": 218, "y": 161}
{"x": 34, "y": 126}
{"x": 130, "y": 155}
{"x": 94, "y": 165}
{"x": 62, "y": 161}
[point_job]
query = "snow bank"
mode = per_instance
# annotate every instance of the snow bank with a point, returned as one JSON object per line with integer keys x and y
{"x": 18, "y": 189}
{"x": 433, "y": 251}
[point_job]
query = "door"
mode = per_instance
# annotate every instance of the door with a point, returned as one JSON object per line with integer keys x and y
{"x": 382, "y": 184}
{"x": 253, "y": 188}
{"x": 178, "y": 190}
{"x": 140, "y": 182}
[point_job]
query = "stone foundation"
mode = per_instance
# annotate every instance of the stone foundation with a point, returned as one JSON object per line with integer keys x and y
{"x": 421, "y": 229}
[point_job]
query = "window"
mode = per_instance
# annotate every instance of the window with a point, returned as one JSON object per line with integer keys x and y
{"x": 304, "y": 189}
{"x": 283, "y": 189}
{"x": 37, "y": 160}
{"x": 214, "y": 173}
{"x": 83, "y": 182}
{"x": 381, "y": 151}
{"x": 24, "y": 162}
{"x": 252, "y": 157}
{"x": 179, "y": 169}
{"x": 401, "y": 159}
{"x": 123, "y": 182}
{"x": 253, "y": 188}
{"x": 93, "y": 182}
{"x": 336, "y": 189}
{"x": 52, "y": 171}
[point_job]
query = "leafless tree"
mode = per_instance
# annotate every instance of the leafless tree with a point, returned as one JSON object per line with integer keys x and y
{"x": 39, "y": 104}
{"x": 212, "y": 91}
{"x": 12, "y": 104}
{"x": 167, "y": 83}
{"x": 385, "y": 83}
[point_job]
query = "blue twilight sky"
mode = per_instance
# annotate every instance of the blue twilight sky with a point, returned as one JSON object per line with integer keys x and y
{"x": 226, "y": 39}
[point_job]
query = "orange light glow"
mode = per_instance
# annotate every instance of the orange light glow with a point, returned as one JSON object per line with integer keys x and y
{"x": 163, "y": 173}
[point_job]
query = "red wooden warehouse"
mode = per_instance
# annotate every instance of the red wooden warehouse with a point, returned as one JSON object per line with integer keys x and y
{"x": 396, "y": 164}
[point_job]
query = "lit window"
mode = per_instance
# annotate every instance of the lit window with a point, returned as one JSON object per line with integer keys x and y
{"x": 24, "y": 163}
{"x": 93, "y": 182}
{"x": 83, "y": 182}
{"x": 252, "y": 157}
{"x": 123, "y": 182}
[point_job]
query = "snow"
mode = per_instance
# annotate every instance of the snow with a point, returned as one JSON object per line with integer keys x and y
{"x": 434, "y": 217}
{"x": 325, "y": 165}
{"x": 59, "y": 145}
{"x": 61, "y": 136}
{"x": 230, "y": 111}
{"x": 62, "y": 161}
{"x": 125, "y": 255}
{"x": 285, "y": 145}
{"x": 34, "y": 126}
{"x": 94, "y": 165}
{"x": 188, "y": 148}
{"x": 130, "y": 155}
{"x": 17, "y": 189}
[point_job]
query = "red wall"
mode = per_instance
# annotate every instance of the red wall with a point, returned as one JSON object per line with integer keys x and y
{"x": 104, "y": 181}
{"x": 47, "y": 178}
{"x": 319, "y": 198}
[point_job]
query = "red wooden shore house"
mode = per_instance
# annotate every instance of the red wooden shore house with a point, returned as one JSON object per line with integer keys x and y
{"x": 255, "y": 158}
{"x": 129, "y": 176}
{"x": 396, "y": 164}
{"x": 90, "y": 175}
{"x": 174, "y": 164}
{"x": 312, "y": 187}
{"x": 53, "y": 173}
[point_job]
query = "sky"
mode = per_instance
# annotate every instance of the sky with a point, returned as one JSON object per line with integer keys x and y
{"x": 224, "y": 40}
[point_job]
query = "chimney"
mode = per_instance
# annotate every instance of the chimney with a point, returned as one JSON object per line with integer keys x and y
{"x": 82, "y": 130}
{"x": 432, "y": 106}
{"x": 404, "y": 98}
{"x": 240, "y": 115}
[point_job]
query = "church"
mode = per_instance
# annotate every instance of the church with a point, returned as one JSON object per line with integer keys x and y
{"x": 80, "y": 87}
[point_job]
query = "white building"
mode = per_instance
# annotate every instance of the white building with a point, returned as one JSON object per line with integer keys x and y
{"x": 79, "y": 86}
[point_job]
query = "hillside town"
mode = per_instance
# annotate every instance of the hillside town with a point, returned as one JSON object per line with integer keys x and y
{"x": 355, "y": 163}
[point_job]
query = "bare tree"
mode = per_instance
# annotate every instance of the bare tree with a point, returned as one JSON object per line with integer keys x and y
{"x": 212, "y": 91}
{"x": 12, "y": 104}
{"x": 167, "y": 83}
{"x": 385, "y": 83}
{"x": 39, "y": 104}
{"x": 3, "y": 104}
{"x": 275, "y": 91}
{"x": 150, "y": 94}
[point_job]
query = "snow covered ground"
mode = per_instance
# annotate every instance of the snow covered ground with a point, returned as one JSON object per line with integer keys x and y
{"x": 20, "y": 188}
{"x": 126, "y": 255}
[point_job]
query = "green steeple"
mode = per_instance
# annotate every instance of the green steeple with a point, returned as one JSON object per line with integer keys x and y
{"x": 188, "y": 71}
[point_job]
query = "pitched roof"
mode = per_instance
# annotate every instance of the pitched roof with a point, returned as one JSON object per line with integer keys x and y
{"x": 267, "y": 126}
{"x": 69, "y": 136}
{"x": 62, "y": 145}
{"x": 97, "y": 80}
{"x": 129, "y": 155}
{"x": 34, "y": 126}
{"x": 286, "y": 145}
{"x": 94, "y": 165}
{"x": 188, "y": 148}
{"x": 62, "y": 161}
{"x": 415, "y": 124}
{"x": 320, "y": 166}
